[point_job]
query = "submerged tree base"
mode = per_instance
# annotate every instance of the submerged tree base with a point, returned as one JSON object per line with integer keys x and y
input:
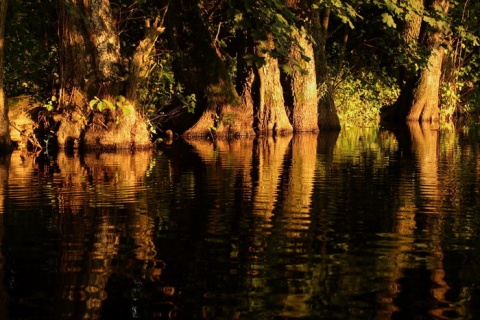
{"x": 230, "y": 123}
{"x": 110, "y": 130}
{"x": 32, "y": 126}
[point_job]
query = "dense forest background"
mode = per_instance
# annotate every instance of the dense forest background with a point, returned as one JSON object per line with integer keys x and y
{"x": 118, "y": 73}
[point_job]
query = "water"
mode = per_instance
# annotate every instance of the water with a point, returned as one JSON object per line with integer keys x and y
{"x": 363, "y": 224}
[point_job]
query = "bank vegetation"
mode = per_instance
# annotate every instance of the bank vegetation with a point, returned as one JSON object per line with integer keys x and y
{"x": 116, "y": 74}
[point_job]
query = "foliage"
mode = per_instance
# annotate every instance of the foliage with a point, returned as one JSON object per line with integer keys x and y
{"x": 359, "y": 97}
{"x": 345, "y": 10}
{"x": 163, "y": 98}
{"x": 120, "y": 103}
{"x": 51, "y": 104}
{"x": 263, "y": 21}
{"x": 462, "y": 75}
{"x": 31, "y": 54}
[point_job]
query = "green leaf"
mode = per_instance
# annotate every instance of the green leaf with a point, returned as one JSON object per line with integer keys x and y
{"x": 101, "y": 105}
{"x": 109, "y": 104}
{"x": 120, "y": 98}
{"x": 127, "y": 109}
{"x": 49, "y": 107}
{"x": 388, "y": 20}
{"x": 92, "y": 104}
{"x": 287, "y": 69}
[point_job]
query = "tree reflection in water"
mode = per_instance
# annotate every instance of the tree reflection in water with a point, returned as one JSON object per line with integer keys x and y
{"x": 4, "y": 166}
{"x": 361, "y": 224}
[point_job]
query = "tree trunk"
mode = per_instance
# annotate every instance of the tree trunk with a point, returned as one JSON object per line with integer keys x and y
{"x": 301, "y": 84}
{"x": 141, "y": 60}
{"x": 248, "y": 93}
{"x": 92, "y": 66}
{"x": 5, "y": 142}
{"x": 419, "y": 98}
{"x": 424, "y": 105}
{"x": 410, "y": 33}
{"x": 76, "y": 59}
{"x": 105, "y": 43}
{"x": 327, "y": 112}
{"x": 222, "y": 114}
{"x": 272, "y": 115}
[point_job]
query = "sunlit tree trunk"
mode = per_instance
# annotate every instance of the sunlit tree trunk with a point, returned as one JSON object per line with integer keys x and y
{"x": 261, "y": 89}
{"x": 425, "y": 104}
{"x": 247, "y": 93}
{"x": 91, "y": 65}
{"x": 141, "y": 60}
{"x": 327, "y": 112}
{"x": 419, "y": 99}
{"x": 84, "y": 66}
{"x": 105, "y": 42}
{"x": 302, "y": 83}
{"x": 5, "y": 142}
{"x": 222, "y": 112}
{"x": 271, "y": 114}
{"x": 410, "y": 32}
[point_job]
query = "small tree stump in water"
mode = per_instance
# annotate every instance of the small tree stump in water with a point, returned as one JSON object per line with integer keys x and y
{"x": 22, "y": 112}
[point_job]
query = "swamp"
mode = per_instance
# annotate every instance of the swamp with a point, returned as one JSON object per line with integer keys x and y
{"x": 254, "y": 159}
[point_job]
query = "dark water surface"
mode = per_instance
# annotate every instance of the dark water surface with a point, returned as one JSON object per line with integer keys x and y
{"x": 363, "y": 224}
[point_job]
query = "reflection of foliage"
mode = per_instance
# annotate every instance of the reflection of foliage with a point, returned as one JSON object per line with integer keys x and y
{"x": 357, "y": 144}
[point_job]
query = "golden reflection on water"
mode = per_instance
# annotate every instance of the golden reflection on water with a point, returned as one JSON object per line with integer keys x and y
{"x": 296, "y": 222}
{"x": 88, "y": 194}
{"x": 90, "y": 246}
{"x": 425, "y": 145}
{"x": 4, "y": 166}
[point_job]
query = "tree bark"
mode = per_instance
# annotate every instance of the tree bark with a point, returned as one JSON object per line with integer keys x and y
{"x": 92, "y": 66}
{"x": 76, "y": 60}
{"x": 410, "y": 33}
{"x": 272, "y": 115}
{"x": 419, "y": 98}
{"x": 5, "y": 142}
{"x": 302, "y": 82}
{"x": 104, "y": 39}
{"x": 303, "y": 86}
{"x": 425, "y": 103}
{"x": 141, "y": 60}
{"x": 327, "y": 112}
{"x": 222, "y": 112}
